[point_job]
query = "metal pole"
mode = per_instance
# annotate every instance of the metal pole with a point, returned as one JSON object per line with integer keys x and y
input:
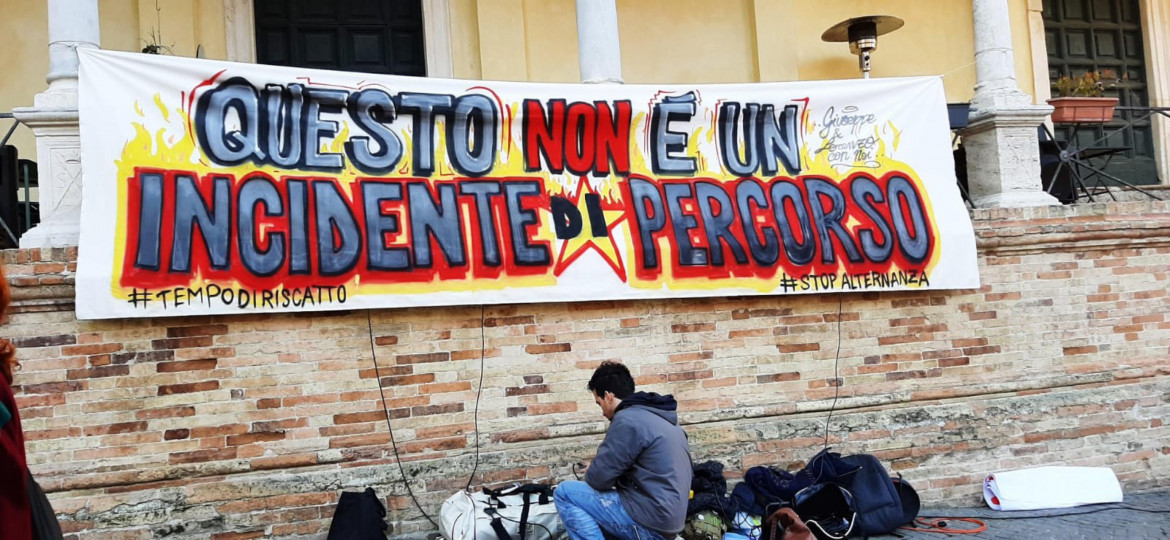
{"x": 9, "y": 232}
{"x": 26, "y": 178}
{"x": 10, "y": 130}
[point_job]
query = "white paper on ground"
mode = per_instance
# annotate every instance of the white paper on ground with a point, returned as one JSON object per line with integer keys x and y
{"x": 1051, "y": 487}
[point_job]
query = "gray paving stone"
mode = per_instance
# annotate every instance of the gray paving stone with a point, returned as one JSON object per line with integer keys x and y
{"x": 1140, "y": 516}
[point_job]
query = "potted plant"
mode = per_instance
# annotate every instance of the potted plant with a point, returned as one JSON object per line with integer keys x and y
{"x": 1081, "y": 99}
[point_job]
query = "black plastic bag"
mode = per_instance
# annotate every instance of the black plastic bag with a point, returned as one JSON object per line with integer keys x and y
{"x": 827, "y": 509}
{"x": 44, "y": 519}
{"x": 359, "y": 516}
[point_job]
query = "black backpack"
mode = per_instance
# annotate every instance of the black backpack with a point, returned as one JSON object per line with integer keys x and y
{"x": 359, "y": 516}
{"x": 882, "y": 503}
{"x": 828, "y": 510}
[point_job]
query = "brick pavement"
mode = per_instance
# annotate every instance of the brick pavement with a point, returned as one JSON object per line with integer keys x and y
{"x": 1095, "y": 522}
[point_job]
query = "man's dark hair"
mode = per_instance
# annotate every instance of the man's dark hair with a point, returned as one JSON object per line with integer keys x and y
{"x": 611, "y": 377}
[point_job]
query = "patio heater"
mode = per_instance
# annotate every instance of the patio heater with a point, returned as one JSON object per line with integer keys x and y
{"x": 862, "y": 34}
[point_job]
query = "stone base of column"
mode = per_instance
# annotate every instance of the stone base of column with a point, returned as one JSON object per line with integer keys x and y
{"x": 1022, "y": 198}
{"x": 49, "y": 234}
{"x": 58, "y": 168}
{"x": 603, "y": 80}
{"x": 1003, "y": 157}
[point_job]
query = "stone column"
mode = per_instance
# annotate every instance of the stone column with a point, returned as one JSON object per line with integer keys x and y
{"x": 73, "y": 24}
{"x": 599, "y": 51}
{"x": 1003, "y": 157}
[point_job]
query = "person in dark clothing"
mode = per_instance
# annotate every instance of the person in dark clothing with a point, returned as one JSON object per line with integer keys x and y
{"x": 15, "y": 514}
{"x": 638, "y": 484}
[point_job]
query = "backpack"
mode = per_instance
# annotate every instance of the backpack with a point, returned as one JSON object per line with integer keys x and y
{"x": 704, "y": 525}
{"x": 769, "y": 488}
{"x": 877, "y": 498}
{"x": 524, "y": 512}
{"x": 359, "y": 516}
{"x": 827, "y": 509}
{"x": 784, "y": 524}
{"x": 882, "y": 504}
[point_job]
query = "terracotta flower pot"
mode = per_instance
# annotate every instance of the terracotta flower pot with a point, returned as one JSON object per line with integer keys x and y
{"x": 1082, "y": 109}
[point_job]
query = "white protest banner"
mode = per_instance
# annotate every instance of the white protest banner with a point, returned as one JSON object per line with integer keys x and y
{"x": 217, "y": 187}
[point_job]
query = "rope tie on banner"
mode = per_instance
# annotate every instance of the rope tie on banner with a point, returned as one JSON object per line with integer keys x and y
{"x": 1001, "y": 50}
{"x": 964, "y": 66}
{"x": 72, "y": 44}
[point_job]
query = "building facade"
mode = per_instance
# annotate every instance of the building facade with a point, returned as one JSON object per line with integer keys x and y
{"x": 250, "y": 426}
{"x": 662, "y": 42}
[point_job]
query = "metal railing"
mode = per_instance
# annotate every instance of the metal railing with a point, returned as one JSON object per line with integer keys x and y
{"x": 25, "y": 173}
{"x": 1086, "y": 163}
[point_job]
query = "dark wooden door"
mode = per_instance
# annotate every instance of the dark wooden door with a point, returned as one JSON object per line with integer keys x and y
{"x": 372, "y": 36}
{"x": 1105, "y": 35}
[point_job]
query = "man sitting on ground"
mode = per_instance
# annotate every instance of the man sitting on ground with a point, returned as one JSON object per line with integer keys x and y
{"x": 638, "y": 485}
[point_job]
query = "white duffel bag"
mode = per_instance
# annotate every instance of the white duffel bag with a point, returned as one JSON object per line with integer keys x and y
{"x": 522, "y": 512}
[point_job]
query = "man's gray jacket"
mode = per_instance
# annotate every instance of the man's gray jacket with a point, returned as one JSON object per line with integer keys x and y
{"x": 645, "y": 456}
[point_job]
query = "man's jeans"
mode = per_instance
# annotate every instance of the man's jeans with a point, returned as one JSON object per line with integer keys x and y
{"x": 586, "y": 512}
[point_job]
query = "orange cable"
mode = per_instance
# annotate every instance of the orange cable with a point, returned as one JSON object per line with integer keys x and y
{"x": 939, "y": 525}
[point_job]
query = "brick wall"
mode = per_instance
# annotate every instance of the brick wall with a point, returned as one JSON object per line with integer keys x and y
{"x": 250, "y": 426}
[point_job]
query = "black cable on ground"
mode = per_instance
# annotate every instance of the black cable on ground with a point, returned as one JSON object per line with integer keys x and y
{"x": 478, "y": 392}
{"x": 836, "y": 361}
{"x": 393, "y": 444}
